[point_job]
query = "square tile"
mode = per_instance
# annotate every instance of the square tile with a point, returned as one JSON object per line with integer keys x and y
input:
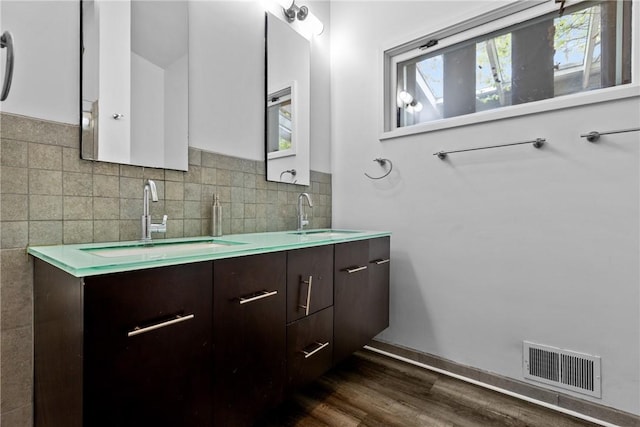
{"x": 43, "y": 156}
{"x": 14, "y": 153}
{"x": 77, "y": 184}
{"x": 72, "y": 162}
{"x": 77, "y": 232}
{"x": 15, "y": 234}
{"x": 45, "y": 207}
{"x": 45, "y": 233}
{"x": 17, "y": 289}
{"x": 106, "y": 231}
{"x": 14, "y": 180}
{"x": 14, "y": 207}
{"x": 76, "y": 207}
{"x": 106, "y": 208}
{"x": 106, "y": 186}
{"x": 45, "y": 182}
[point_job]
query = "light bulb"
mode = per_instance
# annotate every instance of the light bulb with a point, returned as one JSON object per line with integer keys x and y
{"x": 315, "y": 25}
{"x": 405, "y": 97}
{"x": 417, "y": 106}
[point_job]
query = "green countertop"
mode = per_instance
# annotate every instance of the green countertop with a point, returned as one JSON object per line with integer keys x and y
{"x": 82, "y": 260}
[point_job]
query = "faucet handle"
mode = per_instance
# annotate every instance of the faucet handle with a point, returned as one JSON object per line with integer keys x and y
{"x": 160, "y": 228}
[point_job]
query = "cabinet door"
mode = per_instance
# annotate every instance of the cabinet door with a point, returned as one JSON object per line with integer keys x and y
{"x": 249, "y": 336}
{"x": 378, "y": 305}
{"x": 309, "y": 348}
{"x": 351, "y": 286}
{"x": 309, "y": 281}
{"x": 148, "y": 347}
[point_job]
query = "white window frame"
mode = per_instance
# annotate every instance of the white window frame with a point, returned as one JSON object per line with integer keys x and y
{"x": 518, "y": 11}
{"x": 292, "y": 86}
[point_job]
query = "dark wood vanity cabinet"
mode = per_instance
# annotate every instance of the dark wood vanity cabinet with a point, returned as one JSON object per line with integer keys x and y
{"x": 201, "y": 344}
{"x": 361, "y": 300}
{"x": 249, "y": 336}
{"x": 127, "y": 349}
{"x": 309, "y": 314}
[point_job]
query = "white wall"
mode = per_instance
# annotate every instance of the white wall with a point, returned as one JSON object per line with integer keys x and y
{"x": 176, "y": 129}
{"x": 492, "y": 247}
{"x": 226, "y": 80}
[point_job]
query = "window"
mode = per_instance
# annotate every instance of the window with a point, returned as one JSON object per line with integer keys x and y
{"x": 586, "y": 48}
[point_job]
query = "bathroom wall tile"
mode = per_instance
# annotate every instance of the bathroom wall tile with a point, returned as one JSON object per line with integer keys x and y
{"x": 77, "y": 184}
{"x": 16, "y": 292}
{"x": 249, "y": 211}
{"x": 14, "y": 207}
{"x": 192, "y": 227}
{"x": 72, "y": 162}
{"x": 237, "y": 179}
{"x": 261, "y": 183}
{"x": 103, "y": 168}
{"x": 249, "y": 180}
{"x": 209, "y": 159}
{"x": 21, "y": 417}
{"x": 45, "y": 207}
{"x": 45, "y": 182}
{"x": 174, "y": 209}
{"x": 283, "y": 197}
{"x": 40, "y": 131}
{"x": 247, "y": 165}
{"x": 175, "y": 228}
{"x": 237, "y": 210}
{"x": 237, "y": 225}
{"x": 261, "y": 225}
{"x": 206, "y": 227}
{"x": 249, "y": 225}
{"x": 16, "y": 376}
{"x": 106, "y": 186}
{"x": 174, "y": 190}
{"x": 14, "y": 153}
{"x": 153, "y": 173}
{"x": 192, "y": 191}
{"x": 77, "y": 232}
{"x": 192, "y": 209}
{"x": 226, "y": 226}
{"x": 14, "y": 180}
{"x": 156, "y": 209}
{"x": 106, "y": 231}
{"x": 15, "y": 234}
{"x": 194, "y": 174}
{"x": 77, "y": 207}
{"x": 131, "y": 188}
{"x": 261, "y": 196}
{"x": 249, "y": 195}
{"x": 170, "y": 175}
{"x": 195, "y": 157}
{"x": 261, "y": 168}
{"x": 223, "y": 177}
{"x": 209, "y": 176}
{"x": 224, "y": 193}
{"x": 45, "y": 156}
{"x": 130, "y": 229}
{"x": 131, "y": 171}
{"x": 130, "y": 208}
{"x": 261, "y": 210}
{"x": 45, "y": 233}
{"x": 315, "y": 187}
{"x": 106, "y": 208}
{"x": 272, "y": 196}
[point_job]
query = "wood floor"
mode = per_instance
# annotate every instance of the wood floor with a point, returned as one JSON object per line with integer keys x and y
{"x": 369, "y": 389}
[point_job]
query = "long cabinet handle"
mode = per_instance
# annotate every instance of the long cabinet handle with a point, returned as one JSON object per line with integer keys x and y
{"x": 178, "y": 319}
{"x": 308, "y": 354}
{"x": 352, "y": 270}
{"x": 6, "y": 40}
{"x": 381, "y": 261}
{"x": 308, "y": 304}
{"x": 255, "y": 297}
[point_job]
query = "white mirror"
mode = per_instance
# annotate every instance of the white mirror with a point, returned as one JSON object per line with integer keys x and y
{"x": 287, "y": 103}
{"x": 135, "y": 80}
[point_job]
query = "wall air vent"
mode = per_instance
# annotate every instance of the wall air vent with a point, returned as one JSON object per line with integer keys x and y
{"x": 562, "y": 368}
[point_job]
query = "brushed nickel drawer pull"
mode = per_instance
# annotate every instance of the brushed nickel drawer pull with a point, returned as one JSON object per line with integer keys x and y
{"x": 178, "y": 319}
{"x": 254, "y": 297}
{"x": 355, "y": 269}
{"x": 308, "y": 354}
{"x": 306, "y": 307}
{"x": 381, "y": 261}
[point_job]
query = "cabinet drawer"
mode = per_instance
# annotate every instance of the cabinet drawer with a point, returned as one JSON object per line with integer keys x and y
{"x": 144, "y": 364}
{"x": 249, "y": 337}
{"x": 309, "y": 347}
{"x": 309, "y": 281}
{"x": 378, "y": 295}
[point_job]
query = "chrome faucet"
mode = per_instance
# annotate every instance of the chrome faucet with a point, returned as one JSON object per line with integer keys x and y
{"x": 147, "y": 226}
{"x": 302, "y": 217}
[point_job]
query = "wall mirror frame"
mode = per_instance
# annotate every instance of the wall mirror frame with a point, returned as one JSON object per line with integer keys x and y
{"x": 134, "y": 90}
{"x": 287, "y": 108}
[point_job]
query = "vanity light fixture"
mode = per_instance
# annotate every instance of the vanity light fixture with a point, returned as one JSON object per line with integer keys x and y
{"x": 407, "y": 101}
{"x": 303, "y": 14}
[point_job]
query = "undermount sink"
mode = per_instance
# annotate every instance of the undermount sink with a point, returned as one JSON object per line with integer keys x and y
{"x": 157, "y": 248}
{"x": 325, "y": 233}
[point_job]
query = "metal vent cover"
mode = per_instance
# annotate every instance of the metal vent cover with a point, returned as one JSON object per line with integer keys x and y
{"x": 566, "y": 369}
